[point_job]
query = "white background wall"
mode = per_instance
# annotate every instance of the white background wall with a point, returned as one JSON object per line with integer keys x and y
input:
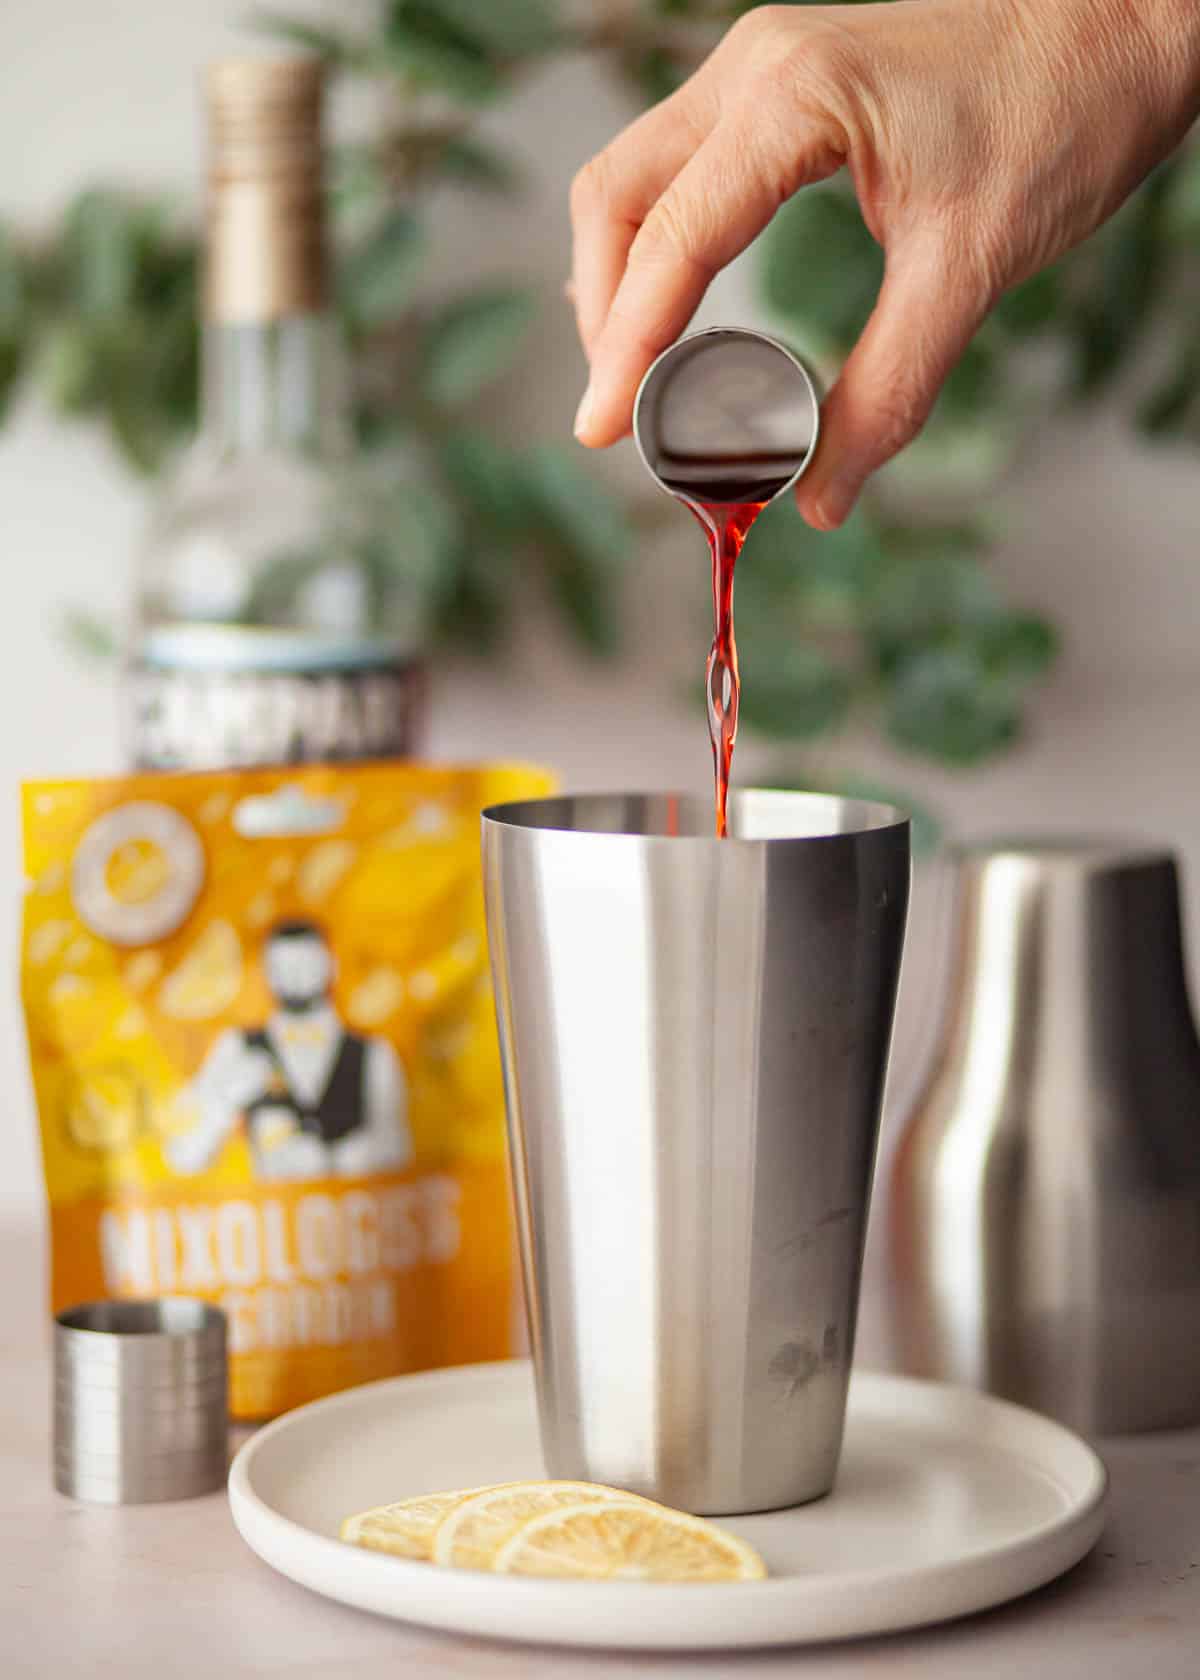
{"x": 1103, "y": 534}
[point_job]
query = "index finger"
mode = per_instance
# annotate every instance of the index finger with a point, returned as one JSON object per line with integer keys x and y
{"x": 612, "y": 194}
{"x": 721, "y": 199}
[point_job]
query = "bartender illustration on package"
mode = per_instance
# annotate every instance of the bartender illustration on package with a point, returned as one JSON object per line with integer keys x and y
{"x": 317, "y": 1101}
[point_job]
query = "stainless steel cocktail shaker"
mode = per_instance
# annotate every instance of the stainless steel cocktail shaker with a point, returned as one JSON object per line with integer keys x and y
{"x": 694, "y": 1034}
{"x": 1045, "y": 1197}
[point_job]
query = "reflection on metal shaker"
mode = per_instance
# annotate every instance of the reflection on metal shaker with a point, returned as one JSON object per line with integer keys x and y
{"x": 694, "y": 1035}
{"x": 1045, "y": 1197}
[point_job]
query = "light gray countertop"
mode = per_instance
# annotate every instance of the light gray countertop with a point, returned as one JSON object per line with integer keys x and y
{"x": 170, "y": 1591}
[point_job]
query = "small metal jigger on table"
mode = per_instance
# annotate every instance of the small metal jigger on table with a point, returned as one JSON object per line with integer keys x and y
{"x": 140, "y": 1401}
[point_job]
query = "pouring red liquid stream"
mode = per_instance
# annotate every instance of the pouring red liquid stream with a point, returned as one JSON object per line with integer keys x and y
{"x": 726, "y": 525}
{"x": 726, "y": 491}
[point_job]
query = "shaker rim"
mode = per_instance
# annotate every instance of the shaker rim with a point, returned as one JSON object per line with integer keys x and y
{"x": 1100, "y": 852}
{"x": 585, "y": 815}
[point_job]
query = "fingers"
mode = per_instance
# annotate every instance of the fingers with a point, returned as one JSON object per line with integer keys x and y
{"x": 612, "y": 195}
{"x": 927, "y": 313}
{"x": 722, "y": 197}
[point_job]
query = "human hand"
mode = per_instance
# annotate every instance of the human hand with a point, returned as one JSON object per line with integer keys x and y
{"x": 984, "y": 138}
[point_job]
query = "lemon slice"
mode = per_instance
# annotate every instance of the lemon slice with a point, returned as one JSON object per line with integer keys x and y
{"x": 407, "y": 1528}
{"x": 137, "y": 870}
{"x": 626, "y": 1540}
{"x": 103, "y": 1111}
{"x": 207, "y": 978}
{"x": 323, "y": 868}
{"x": 378, "y": 995}
{"x": 473, "y": 1531}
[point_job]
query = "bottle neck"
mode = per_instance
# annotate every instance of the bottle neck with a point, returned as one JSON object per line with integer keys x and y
{"x": 273, "y": 386}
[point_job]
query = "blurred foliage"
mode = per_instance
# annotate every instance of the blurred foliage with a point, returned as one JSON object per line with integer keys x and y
{"x": 896, "y": 618}
{"x": 924, "y": 633}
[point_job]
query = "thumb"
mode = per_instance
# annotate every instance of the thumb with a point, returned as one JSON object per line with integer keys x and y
{"x": 927, "y": 312}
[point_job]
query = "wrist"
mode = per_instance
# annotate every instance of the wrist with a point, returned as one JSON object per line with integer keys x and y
{"x": 1151, "y": 47}
{"x": 1167, "y": 34}
{"x": 1139, "y": 59}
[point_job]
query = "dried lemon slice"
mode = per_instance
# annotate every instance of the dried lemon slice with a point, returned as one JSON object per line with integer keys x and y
{"x": 471, "y": 1534}
{"x": 103, "y": 1111}
{"x": 626, "y": 1540}
{"x": 137, "y": 872}
{"x": 45, "y": 942}
{"x": 143, "y": 970}
{"x": 378, "y": 995}
{"x": 405, "y": 1529}
{"x": 323, "y": 868}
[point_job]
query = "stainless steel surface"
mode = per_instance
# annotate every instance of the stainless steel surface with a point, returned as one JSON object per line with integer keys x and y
{"x": 726, "y": 415}
{"x": 1045, "y": 1198}
{"x": 694, "y": 1035}
{"x": 140, "y": 1401}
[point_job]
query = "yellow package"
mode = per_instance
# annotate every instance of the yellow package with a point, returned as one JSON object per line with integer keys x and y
{"x": 265, "y": 1061}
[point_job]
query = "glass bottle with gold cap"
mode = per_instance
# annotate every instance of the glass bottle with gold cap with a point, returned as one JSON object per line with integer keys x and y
{"x": 278, "y": 617}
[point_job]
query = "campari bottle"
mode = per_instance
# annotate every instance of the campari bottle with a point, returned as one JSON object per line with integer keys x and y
{"x": 274, "y": 623}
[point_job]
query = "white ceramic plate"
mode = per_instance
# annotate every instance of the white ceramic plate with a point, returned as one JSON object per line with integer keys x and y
{"x": 946, "y": 1502}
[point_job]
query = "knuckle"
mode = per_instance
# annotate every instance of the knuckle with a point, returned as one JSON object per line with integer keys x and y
{"x": 759, "y": 25}
{"x": 807, "y": 65}
{"x": 819, "y": 62}
{"x": 675, "y": 234}
{"x": 665, "y": 234}
{"x": 591, "y": 188}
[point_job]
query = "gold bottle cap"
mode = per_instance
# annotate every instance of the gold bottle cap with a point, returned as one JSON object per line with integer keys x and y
{"x": 266, "y": 253}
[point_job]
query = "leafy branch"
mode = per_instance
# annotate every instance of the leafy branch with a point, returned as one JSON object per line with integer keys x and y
{"x": 897, "y": 618}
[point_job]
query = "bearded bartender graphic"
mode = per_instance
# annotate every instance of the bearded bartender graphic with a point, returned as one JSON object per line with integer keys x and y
{"x": 316, "y": 1101}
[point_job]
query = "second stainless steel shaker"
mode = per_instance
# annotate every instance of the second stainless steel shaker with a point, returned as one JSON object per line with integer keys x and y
{"x": 694, "y": 1035}
{"x": 1045, "y": 1197}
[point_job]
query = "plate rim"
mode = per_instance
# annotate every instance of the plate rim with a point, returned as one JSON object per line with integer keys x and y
{"x": 508, "y": 1608}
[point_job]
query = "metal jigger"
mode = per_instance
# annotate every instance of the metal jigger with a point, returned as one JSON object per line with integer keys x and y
{"x": 694, "y": 1035}
{"x": 727, "y": 415}
{"x": 140, "y": 1401}
{"x": 1045, "y": 1207}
